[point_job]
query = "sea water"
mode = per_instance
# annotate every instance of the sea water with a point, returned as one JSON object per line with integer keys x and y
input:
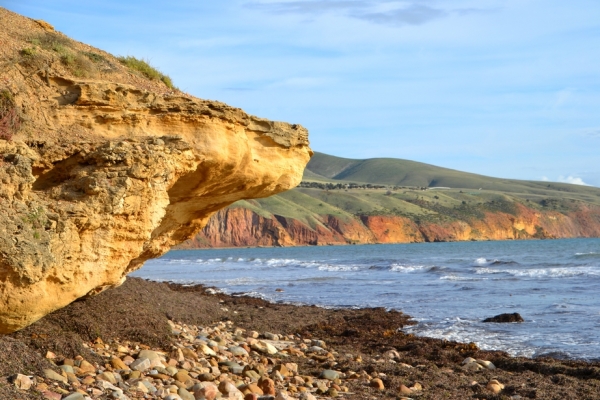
{"x": 448, "y": 288}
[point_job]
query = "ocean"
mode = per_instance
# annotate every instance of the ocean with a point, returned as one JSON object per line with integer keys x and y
{"x": 448, "y": 288}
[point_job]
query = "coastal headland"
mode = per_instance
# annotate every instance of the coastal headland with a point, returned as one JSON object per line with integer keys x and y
{"x": 384, "y": 200}
{"x": 105, "y": 164}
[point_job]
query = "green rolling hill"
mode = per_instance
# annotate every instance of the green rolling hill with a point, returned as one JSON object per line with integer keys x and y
{"x": 396, "y": 172}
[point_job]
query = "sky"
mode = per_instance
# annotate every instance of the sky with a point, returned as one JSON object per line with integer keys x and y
{"x": 505, "y": 88}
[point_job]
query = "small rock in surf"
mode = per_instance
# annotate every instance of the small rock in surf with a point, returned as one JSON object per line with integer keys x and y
{"x": 505, "y": 318}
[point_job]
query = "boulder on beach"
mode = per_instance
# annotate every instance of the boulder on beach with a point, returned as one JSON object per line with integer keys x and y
{"x": 505, "y": 318}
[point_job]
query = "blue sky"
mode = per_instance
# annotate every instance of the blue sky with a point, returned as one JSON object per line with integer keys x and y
{"x": 506, "y": 88}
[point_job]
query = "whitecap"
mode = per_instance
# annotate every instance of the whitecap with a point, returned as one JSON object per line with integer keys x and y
{"x": 481, "y": 261}
{"x": 460, "y": 278}
{"x": 408, "y": 268}
{"x": 542, "y": 272}
{"x": 338, "y": 268}
{"x": 465, "y": 331}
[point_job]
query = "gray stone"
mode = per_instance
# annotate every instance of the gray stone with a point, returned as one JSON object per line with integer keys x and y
{"x": 238, "y": 351}
{"x": 107, "y": 385}
{"x": 330, "y": 375}
{"x": 151, "y": 388}
{"x": 270, "y": 336}
{"x": 66, "y": 368}
{"x": 230, "y": 364}
{"x": 141, "y": 364}
{"x": 185, "y": 395}
{"x": 75, "y": 396}
{"x": 237, "y": 370}
{"x": 165, "y": 371}
{"x": 55, "y": 376}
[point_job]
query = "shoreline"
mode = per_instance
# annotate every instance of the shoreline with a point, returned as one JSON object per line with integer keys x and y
{"x": 139, "y": 312}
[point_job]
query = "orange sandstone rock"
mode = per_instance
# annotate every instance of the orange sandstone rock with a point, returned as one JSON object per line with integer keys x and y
{"x": 108, "y": 172}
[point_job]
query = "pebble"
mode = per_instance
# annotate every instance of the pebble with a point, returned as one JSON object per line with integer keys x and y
{"x": 238, "y": 351}
{"x": 330, "y": 375}
{"x": 149, "y": 354}
{"x": 22, "y": 382}
{"x": 212, "y": 362}
{"x": 377, "y": 384}
{"x": 282, "y": 396}
{"x": 494, "y": 386}
{"x": 471, "y": 364}
{"x": 141, "y": 364}
{"x": 50, "y": 395}
{"x": 75, "y": 396}
{"x": 55, "y": 376}
{"x": 486, "y": 364}
{"x": 404, "y": 390}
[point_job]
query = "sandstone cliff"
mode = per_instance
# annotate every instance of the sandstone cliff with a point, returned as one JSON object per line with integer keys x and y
{"x": 238, "y": 226}
{"x": 103, "y": 168}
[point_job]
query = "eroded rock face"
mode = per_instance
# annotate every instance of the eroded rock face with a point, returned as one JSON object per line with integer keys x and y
{"x": 107, "y": 175}
{"x": 78, "y": 215}
{"x": 239, "y": 226}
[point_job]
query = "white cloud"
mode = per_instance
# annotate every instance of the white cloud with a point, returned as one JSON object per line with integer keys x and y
{"x": 390, "y": 12}
{"x": 566, "y": 179}
{"x": 572, "y": 180}
{"x": 414, "y": 14}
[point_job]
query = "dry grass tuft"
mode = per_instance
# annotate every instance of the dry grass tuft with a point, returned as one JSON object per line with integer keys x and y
{"x": 146, "y": 69}
{"x": 81, "y": 64}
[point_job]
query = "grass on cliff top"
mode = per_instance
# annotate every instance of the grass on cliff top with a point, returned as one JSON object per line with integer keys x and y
{"x": 296, "y": 205}
{"x": 79, "y": 63}
{"x": 364, "y": 202}
{"x": 309, "y": 205}
{"x": 146, "y": 69}
{"x": 280, "y": 205}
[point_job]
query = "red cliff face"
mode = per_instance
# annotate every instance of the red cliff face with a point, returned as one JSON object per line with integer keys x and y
{"x": 237, "y": 227}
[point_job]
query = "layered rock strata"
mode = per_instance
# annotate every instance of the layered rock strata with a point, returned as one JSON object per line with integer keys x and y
{"x": 239, "y": 226}
{"x": 105, "y": 174}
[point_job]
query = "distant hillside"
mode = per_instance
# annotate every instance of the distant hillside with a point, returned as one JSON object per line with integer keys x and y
{"x": 397, "y": 172}
{"x": 386, "y": 200}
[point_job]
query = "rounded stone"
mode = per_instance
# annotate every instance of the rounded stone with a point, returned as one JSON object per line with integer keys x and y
{"x": 330, "y": 375}
{"x": 377, "y": 384}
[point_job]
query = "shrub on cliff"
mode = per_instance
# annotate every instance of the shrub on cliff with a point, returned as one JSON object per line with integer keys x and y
{"x": 10, "y": 115}
{"x": 146, "y": 69}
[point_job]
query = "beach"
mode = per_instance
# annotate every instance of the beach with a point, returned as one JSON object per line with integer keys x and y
{"x": 373, "y": 357}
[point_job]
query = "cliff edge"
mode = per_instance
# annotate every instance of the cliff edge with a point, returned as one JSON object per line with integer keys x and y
{"x": 103, "y": 167}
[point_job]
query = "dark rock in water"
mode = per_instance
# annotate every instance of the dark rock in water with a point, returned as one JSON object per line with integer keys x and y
{"x": 505, "y": 318}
